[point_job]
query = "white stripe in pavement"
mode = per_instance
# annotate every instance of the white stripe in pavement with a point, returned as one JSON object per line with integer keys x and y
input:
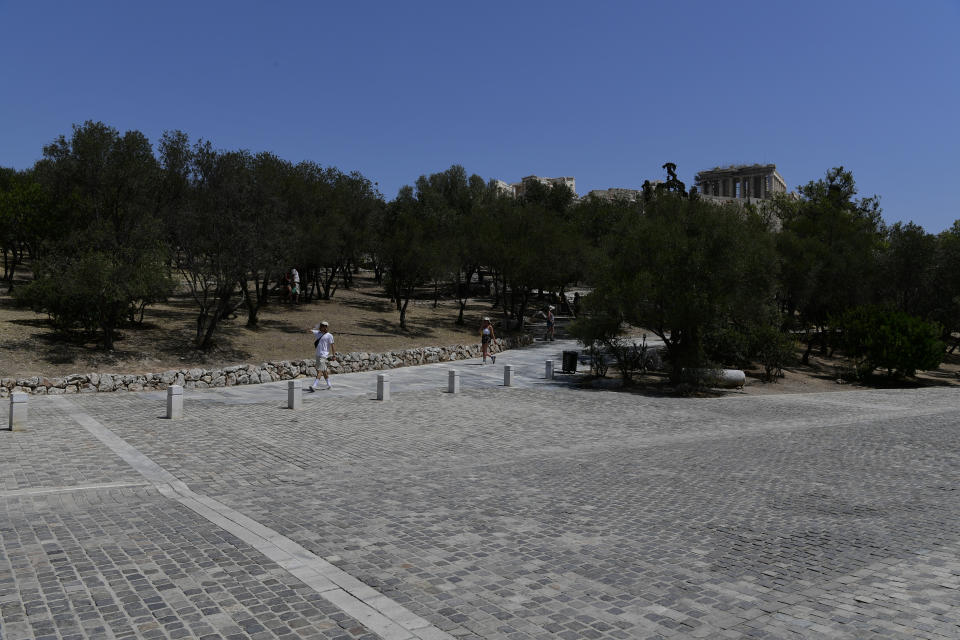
{"x": 79, "y": 487}
{"x": 382, "y": 615}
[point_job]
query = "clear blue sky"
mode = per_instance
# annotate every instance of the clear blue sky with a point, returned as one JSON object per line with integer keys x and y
{"x": 603, "y": 91}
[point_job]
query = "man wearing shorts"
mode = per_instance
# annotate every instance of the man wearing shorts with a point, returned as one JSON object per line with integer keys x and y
{"x": 325, "y": 351}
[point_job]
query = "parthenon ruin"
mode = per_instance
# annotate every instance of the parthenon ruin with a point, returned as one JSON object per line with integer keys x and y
{"x": 742, "y": 181}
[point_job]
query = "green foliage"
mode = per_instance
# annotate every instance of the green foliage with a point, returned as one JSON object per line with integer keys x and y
{"x": 828, "y": 250}
{"x": 408, "y": 238}
{"x": 685, "y": 269}
{"x": 773, "y": 349}
{"x": 453, "y": 201}
{"x": 103, "y": 220}
{"x": 893, "y": 340}
{"x": 945, "y": 303}
{"x": 90, "y": 290}
{"x": 22, "y": 223}
{"x": 907, "y": 270}
{"x": 531, "y": 243}
{"x": 104, "y": 259}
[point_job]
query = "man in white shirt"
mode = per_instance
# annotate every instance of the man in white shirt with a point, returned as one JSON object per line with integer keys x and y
{"x": 295, "y": 290}
{"x": 325, "y": 351}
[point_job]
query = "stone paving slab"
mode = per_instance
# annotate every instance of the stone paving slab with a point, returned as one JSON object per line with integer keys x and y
{"x": 133, "y": 564}
{"x": 541, "y": 511}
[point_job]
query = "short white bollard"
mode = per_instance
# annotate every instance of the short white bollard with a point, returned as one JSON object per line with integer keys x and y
{"x": 383, "y": 387}
{"x": 507, "y": 375}
{"x": 18, "y": 411}
{"x": 549, "y": 372}
{"x": 294, "y": 394}
{"x": 174, "y": 402}
{"x": 453, "y": 381}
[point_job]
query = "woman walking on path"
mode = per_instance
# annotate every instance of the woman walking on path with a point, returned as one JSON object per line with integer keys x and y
{"x": 487, "y": 337}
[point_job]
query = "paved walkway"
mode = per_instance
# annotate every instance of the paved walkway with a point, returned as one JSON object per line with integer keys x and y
{"x": 537, "y": 511}
{"x": 529, "y": 367}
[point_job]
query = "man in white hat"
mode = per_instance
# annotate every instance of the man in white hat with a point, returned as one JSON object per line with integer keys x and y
{"x": 325, "y": 351}
{"x": 550, "y": 323}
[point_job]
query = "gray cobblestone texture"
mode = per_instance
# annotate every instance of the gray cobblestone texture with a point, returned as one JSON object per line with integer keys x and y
{"x": 542, "y": 511}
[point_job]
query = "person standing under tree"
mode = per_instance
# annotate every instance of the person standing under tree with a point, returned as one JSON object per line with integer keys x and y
{"x": 487, "y": 337}
{"x": 550, "y": 322}
{"x": 295, "y": 288}
{"x": 325, "y": 351}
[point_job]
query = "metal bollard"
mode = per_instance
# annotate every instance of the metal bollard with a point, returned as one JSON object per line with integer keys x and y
{"x": 18, "y": 411}
{"x": 507, "y": 375}
{"x": 174, "y": 402}
{"x": 383, "y": 387}
{"x": 453, "y": 381}
{"x": 294, "y": 394}
{"x": 549, "y": 372}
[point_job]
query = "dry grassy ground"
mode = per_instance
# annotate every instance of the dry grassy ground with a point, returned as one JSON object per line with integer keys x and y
{"x": 361, "y": 319}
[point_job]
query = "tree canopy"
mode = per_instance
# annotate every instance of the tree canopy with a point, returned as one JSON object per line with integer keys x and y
{"x": 109, "y": 226}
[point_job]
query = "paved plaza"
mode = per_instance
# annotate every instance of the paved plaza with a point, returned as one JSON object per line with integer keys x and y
{"x": 543, "y": 510}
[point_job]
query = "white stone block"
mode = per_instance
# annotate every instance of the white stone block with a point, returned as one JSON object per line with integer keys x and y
{"x": 18, "y": 411}
{"x": 453, "y": 381}
{"x": 549, "y": 370}
{"x": 174, "y": 402}
{"x": 383, "y": 387}
{"x": 294, "y": 394}
{"x": 507, "y": 375}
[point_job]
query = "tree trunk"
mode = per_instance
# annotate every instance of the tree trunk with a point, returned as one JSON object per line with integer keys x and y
{"x": 328, "y": 283}
{"x": 223, "y": 306}
{"x": 108, "y": 331}
{"x": 403, "y": 312}
{"x": 524, "y": 296}
{"x": 253, "y": 307}
{"x": 201, "y": 323}
{"x": 806, "y": 354}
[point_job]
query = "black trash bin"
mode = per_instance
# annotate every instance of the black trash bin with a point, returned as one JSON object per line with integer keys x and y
{"x": 570, "y": 361}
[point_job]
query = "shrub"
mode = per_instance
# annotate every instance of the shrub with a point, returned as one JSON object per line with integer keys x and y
{"x": 893, "y": 340}
{"x": 773, "y": 349}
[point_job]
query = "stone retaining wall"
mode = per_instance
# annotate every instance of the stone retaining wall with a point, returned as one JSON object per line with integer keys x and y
{"x": 197, "y": 378}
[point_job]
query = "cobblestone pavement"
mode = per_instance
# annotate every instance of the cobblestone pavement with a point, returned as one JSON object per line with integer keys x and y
{"x": 541, "y": 511}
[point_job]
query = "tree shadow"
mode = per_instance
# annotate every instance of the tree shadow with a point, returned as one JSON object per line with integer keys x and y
{"x": 650, "y": 387}
{"x": 392, "y": 328}
{"x": 379, "y": 306}
{"x": 37, "y": 323}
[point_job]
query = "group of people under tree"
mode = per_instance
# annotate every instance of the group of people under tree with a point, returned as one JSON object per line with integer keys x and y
{"x": 290, "y": 286}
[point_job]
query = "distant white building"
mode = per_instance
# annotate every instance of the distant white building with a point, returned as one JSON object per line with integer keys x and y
{"x": 504, "y": 188}
{"x": 630, "y": 195}
{"x": 519, "y": 189}
{"x": 741, "y": 182}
